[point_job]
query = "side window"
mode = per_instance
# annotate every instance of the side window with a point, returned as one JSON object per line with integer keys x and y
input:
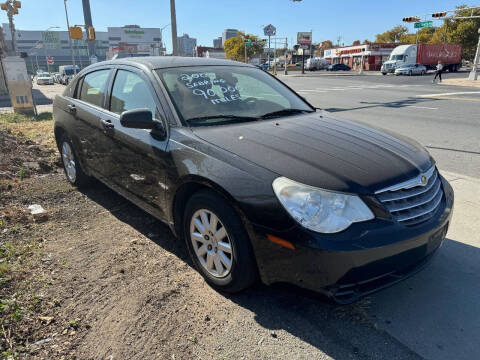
{"x": 94, "y": 86}
{"x": 130, "y": 92}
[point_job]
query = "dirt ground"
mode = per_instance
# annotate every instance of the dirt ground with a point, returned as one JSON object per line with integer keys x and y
{"x": 98, "y": 278}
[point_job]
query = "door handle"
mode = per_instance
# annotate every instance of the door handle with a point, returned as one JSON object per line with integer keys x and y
{"x": 107, "y": 124}
{"x": 72, "y": 109}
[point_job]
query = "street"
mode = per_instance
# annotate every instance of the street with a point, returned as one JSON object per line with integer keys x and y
{"x": 443, "y": 118}
{"x": 435, "y": 313}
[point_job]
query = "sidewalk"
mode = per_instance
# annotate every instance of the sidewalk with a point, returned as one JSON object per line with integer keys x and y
{"x": 436, "y": 313}
{"x": 461, "y": 82}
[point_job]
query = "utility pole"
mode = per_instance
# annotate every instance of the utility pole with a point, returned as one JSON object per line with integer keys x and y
{"x": 473, "y": 76}
{"x": 174, "y": 27}
{"x": 286, "y": 53}
{"x": 70, "y": 39}
{"x": 87, "y": 15}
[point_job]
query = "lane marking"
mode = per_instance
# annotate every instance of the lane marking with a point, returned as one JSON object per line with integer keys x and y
{"x": 422, "y": 107}
{"x": 456, "y": 98}
{"x": 451, "y": 93}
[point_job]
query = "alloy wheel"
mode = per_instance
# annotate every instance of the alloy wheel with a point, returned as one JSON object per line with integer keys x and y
{"x": 69, "y": 162}
{"x": 211, "y": 243}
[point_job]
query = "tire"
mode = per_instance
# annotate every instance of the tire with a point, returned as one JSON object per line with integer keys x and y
{"x": 243, "y": 269}
{"x": 383, "y": 73}
{"x": 71, "y": 166}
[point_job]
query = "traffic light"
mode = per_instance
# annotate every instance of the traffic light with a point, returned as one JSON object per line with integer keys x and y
{"x": 4, "y": 6}
{"x": 439, "y": 14}
{"x": 17, "y": 4}
{"x": 75, "y": 32}
{"x": 91, "y": 33}
{"x": 411, "y": 19}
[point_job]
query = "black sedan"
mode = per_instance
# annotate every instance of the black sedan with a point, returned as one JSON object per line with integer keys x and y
{"x": 256, "y": 181}
{"x": 338, "y": 67}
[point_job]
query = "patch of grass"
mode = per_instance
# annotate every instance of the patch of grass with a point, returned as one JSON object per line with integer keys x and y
{"x": 38, "y": 129}
{"x": 21, "y": 172}
{"x": 74, "y": 323}
{"x": 9, "y": 118}
{"x": 63, "y": 261}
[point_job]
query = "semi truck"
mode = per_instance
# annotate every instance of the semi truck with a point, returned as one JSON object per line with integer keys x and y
{"x": 426, "y": 54}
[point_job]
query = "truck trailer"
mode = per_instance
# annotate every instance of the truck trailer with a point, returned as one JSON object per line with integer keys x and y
{"x": 426, "y": 54}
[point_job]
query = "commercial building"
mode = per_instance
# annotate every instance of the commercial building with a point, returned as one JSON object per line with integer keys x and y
{"x": 373, "y": 55}
{"x": 186, "y": 45}
{"x": 217, "y": 43}
{"x": 130, "y": 40}
{"x": 227, "y": 34}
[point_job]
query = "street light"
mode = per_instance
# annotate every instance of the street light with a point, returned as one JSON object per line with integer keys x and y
{"x": 161, "y": 36}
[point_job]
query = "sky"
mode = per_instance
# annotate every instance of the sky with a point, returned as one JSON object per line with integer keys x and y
{"x": 206, "y": 19}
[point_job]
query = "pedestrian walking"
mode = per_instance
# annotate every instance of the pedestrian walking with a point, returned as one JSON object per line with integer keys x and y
{"x": 439, "y": 71}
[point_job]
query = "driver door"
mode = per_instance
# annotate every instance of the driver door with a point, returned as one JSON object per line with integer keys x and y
{"x": 139, "y": 157}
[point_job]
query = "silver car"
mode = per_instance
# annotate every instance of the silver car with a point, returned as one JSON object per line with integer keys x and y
{"x": 411, "y": 69}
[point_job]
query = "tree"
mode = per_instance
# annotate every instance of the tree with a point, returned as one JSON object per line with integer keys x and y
{"x": 458, "y": 31}
{"x": 235, "y": 47}
{"x": 356, "y": 42}
{"x": 391, "y": 36}
{"x": 324, "y": 45}
{"x": 464, "y": 31}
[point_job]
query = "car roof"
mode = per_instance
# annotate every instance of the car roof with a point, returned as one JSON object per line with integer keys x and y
{"x": 159, "y": 62}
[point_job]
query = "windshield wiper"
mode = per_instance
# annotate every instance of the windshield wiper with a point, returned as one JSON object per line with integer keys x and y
{"x": 231, "y": 119}
{"x": 284, "y": 112}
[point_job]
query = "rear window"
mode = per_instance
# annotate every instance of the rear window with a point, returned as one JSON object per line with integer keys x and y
{"x": 94, "y": 87}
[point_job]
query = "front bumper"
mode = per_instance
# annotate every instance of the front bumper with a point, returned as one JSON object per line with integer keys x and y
{"x": 388, "y": 70}
{"x": 358, "y": 261}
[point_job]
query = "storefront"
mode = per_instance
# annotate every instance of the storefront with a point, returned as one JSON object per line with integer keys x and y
{"x": 373, "y": 55}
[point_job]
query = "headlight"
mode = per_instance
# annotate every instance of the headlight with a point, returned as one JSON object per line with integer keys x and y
{"x": 320, "y": 210}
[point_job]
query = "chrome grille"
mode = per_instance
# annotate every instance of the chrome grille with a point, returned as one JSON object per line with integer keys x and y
{"x": 412, "y": 201}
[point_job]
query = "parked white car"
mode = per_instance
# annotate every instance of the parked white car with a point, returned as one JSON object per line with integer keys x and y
{"x": 44, "y": 79}
{"x": 411, "y": 69}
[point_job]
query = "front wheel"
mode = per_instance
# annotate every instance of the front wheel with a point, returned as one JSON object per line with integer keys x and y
{"x": 218, "y": 243}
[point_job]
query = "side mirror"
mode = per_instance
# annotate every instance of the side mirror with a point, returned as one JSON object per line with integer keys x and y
{"x": 138, "y": 119}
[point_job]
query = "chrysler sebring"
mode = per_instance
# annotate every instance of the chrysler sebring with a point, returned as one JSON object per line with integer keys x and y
{"x": 257, "y": 182}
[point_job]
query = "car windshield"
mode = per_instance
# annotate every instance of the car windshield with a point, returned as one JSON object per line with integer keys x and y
{"x": 214, "y": 95}
{"x": 43, "y": 75}
{"x": 396, "y": 57}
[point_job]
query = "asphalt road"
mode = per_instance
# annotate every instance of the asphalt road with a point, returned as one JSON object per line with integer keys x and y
{"x": 445, "y": 119}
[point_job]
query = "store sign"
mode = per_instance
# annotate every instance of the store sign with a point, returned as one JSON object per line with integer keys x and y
{"x": 51, "y": 39}
{"x": 304, "y": 38}
{"x": 134, "y": 32}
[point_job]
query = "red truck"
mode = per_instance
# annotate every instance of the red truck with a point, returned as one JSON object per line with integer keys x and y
{"x": 425, "y": 54}
{"x": 449, "y": 54}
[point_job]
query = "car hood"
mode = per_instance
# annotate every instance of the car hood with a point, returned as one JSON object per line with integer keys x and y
{"x": 323, "y": 151}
